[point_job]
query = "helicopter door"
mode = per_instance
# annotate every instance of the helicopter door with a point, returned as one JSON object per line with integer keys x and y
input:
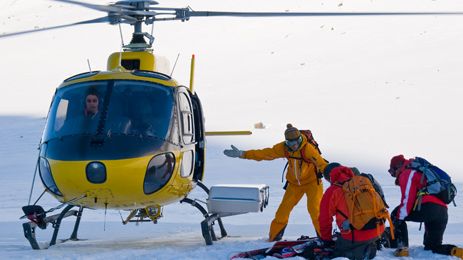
{"x": 187, "y": 128}
{"x": 200, "y": 141}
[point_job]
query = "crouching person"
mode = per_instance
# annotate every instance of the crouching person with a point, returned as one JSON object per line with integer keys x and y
{"x": 415, "y": 207}
{"x": 358, "y": 236}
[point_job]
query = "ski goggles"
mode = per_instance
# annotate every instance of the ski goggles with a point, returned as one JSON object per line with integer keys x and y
{"x": 294, "y": 141}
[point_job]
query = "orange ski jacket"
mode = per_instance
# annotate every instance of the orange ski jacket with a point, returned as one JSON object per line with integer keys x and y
{"x": 300, "y": 170}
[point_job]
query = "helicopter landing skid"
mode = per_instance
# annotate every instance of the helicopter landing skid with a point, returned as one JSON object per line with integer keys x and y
{"x": 207, "y": 225}
{"x": 37, "y": 218}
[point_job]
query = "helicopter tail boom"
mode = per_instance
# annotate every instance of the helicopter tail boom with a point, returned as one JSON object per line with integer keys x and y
{"x": 222, "y": 133}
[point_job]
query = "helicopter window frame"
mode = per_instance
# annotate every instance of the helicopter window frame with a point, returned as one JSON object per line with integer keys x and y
{"x": 61, "y": 114}
{"x": 188, "y": 163}
{"x": 82, "y": 75}
{"x": 186, "y": 118}
{"x": 151, "y": 74}
{"x": 117, "y": 132}
{"x": 159, "y": 172}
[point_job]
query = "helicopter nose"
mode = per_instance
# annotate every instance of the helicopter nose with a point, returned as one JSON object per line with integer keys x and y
{"x": 96, "y": 172}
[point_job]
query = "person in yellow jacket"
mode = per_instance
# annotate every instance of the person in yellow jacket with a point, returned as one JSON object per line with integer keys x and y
{"x": 305, "y": 166}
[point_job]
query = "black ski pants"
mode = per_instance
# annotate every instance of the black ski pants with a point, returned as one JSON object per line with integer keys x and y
{"x": 355, "y": 250}
{"x": 435, "y": 219}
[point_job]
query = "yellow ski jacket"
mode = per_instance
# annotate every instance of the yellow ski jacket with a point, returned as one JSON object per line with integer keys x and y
{"x": 300, "y": 171}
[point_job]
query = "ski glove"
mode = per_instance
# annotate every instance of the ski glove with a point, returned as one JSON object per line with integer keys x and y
{"x": 234, "y": 152}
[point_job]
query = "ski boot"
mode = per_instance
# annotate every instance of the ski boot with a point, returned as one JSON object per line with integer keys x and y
{"x": 386, "y": 239}
{"x": 403, "y": 251}
{"x": 278, "y": 236}
{"x": 457, "y": 251}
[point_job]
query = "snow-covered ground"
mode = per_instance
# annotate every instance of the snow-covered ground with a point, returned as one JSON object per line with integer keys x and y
{"x": 369, "y": 88}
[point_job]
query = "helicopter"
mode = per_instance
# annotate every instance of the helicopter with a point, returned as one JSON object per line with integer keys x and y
{"x": 129, "y": 137}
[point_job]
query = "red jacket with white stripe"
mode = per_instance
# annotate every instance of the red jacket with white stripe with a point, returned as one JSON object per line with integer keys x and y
{"x": 410, "y": 182}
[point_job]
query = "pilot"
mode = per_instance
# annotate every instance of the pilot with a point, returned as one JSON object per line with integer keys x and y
{"x": 91, "y": 104}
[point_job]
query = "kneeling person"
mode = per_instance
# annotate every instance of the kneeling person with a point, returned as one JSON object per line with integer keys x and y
{"x": 432, "y": 210}
{"x": 356, "y": 240}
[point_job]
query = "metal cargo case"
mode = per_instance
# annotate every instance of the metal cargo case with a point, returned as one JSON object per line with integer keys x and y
{"x": 229, "y": 199}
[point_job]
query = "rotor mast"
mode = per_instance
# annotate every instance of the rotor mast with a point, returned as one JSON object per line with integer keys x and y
{"x": 138, "y": 42}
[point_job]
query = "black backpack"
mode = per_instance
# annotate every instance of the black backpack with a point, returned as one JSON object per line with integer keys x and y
{"x": 377, "y": 187}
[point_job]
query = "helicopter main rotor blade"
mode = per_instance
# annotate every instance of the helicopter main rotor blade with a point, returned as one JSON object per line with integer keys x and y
{"x": 191, "y": 13}
{"x": 98, "y": 20}
{"x": 103, "y": 8}
{"x": 118, "y": 8}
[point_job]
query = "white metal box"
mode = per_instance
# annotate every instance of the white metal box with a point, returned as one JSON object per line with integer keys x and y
{"x": 231, "y": 199}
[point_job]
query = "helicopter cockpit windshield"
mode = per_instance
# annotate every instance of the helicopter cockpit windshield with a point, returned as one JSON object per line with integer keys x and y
{"x": 116, "y": 112}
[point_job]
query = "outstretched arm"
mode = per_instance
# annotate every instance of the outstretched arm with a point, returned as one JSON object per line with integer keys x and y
{"x": 234, "y": 152}
{"x": 277, "y": 151}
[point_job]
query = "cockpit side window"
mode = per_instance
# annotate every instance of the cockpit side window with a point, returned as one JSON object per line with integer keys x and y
{"x": 186, "y": 118}
{"x": 61, "y": 113}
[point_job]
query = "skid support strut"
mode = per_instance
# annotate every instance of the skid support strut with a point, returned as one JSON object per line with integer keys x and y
{"x": 207, "y": 225}
{"x": 39, "y": 220}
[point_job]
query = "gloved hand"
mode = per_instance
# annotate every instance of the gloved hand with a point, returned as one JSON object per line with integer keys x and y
{"x": 234, "y": 152}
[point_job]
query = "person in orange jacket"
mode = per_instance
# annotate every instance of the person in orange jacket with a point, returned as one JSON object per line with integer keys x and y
{"x": 305, "y": 166}
{"x": 350, "y": 243}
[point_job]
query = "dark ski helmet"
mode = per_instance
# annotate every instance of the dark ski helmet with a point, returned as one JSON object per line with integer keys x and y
{"x": 328, "y": 169}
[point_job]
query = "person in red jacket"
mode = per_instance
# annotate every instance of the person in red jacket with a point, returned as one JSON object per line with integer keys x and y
{"x": 353, "y": 244}
{"x": 432, "y": 211}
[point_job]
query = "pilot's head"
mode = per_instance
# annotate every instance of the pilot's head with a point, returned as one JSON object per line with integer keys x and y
{"x": 91, "y": 102}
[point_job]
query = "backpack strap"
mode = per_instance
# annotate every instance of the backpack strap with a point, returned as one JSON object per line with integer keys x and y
{"x": 308, "y": 134}
{"x": 303, "y": 158}
{"x": 318, "y": 175}
{"x": 342, "y": 214}
{"x": 284, "y": 169}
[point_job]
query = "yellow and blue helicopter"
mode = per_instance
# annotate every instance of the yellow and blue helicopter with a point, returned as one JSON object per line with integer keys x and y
{"x": 129, "y": 137}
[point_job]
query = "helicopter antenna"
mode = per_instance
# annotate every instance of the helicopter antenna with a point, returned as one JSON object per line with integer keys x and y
{"x": 37, "y": 200}
{"x": 33, "y": 180}
{"x": 152, "y": 28}
{"x": 122, "y": 46}
{"x": 175, "y": 64}
{"x": 89, "y": 67}
{"x": 122, "y": 37}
